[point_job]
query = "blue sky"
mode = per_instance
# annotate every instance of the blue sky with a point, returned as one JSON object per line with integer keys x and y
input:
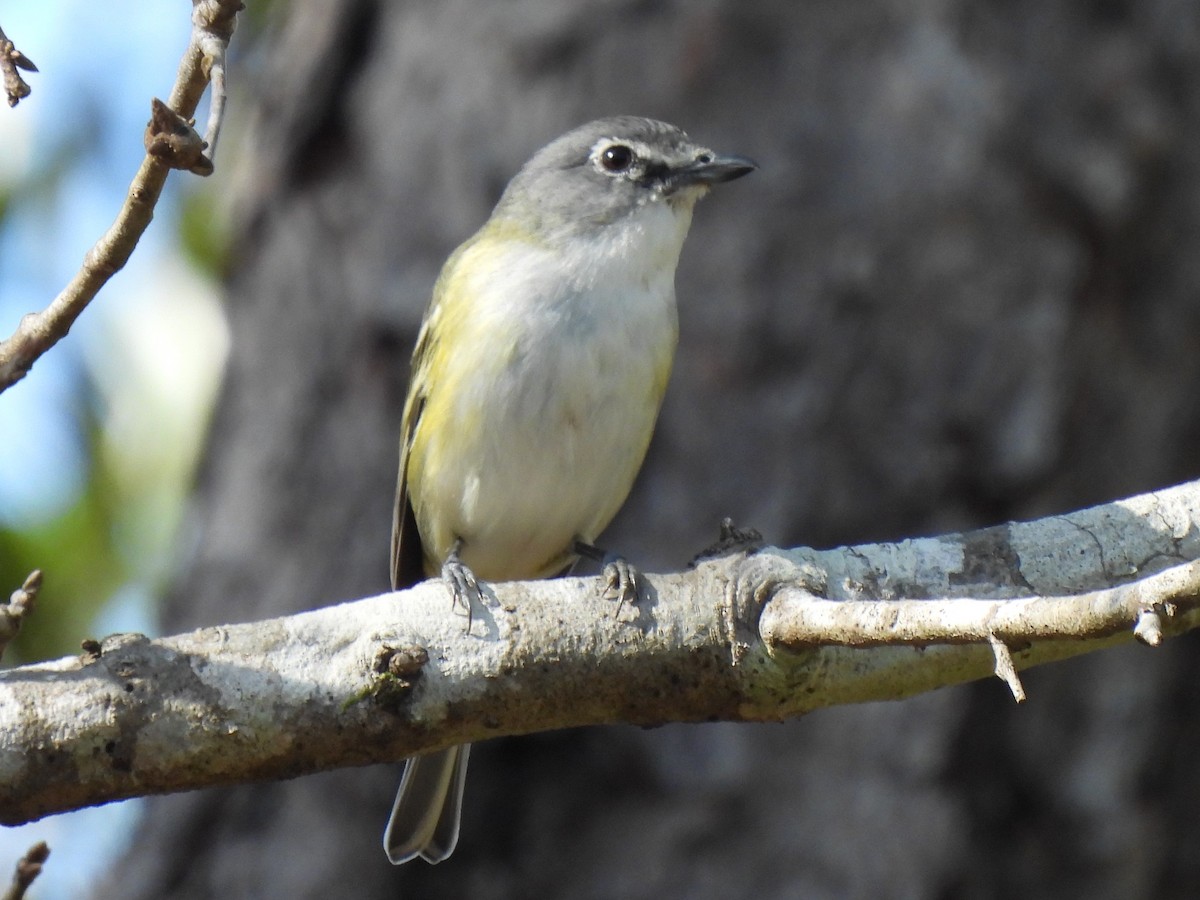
{"x": 93, "y": 87}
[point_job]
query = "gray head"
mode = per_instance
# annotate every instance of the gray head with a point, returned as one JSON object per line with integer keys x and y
{"x": 608, "y": 168}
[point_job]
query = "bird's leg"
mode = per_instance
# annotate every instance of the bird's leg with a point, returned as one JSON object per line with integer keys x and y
{"x": 464, "y": 586}
{"x": 620, "y": 577}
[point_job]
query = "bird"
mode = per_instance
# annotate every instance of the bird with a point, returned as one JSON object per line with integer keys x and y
{"x": 538, "y": 374}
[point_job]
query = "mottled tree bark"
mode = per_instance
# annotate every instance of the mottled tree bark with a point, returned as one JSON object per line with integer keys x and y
{"x": 963, "y": 288}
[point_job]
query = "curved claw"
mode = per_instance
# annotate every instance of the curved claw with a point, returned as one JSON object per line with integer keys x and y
{"x": 620, "y": 577}
{"x": 464, "y": 586}
{"x": 620, "y": 581}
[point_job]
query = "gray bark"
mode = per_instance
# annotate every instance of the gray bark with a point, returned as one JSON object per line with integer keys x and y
{"x": 765, "y": 636}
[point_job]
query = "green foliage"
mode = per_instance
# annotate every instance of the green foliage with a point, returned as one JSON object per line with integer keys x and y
{"x": 203, "y": 231}
{"x": 82, "y": 570}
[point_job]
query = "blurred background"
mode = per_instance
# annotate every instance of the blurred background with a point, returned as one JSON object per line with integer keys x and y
{"x": 101, "y": 441}
{"x": 963, "y": 288}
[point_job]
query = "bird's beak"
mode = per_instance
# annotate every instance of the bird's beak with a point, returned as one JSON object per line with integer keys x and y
{"x": 710, "y": 169}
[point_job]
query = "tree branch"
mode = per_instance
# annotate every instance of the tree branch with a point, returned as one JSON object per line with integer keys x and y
{"x": 29, "y": 867}
{"x": 12, "y": 59}
{"x": 18, "y": 607}
{"x": 212, "y": 24}
{"x": 761, "y": 637}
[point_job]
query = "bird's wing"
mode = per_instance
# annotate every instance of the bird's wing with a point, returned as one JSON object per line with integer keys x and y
{"x": 446, "y": 307}
{"x": 408, "y": 556}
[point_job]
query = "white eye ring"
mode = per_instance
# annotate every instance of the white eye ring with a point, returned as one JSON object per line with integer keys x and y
{"x": 616, "y": 158}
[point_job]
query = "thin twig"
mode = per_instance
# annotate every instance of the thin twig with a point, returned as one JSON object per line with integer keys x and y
{"x": 170, "y": 143}
{"x": 795, "y": 620}
{"x": 19, "y": 605}
{"x": 213, "y": 31}
{"x": 1149, "y": 626}
{"x": 29, "y": 867}
{"x": 12, "y": 59}
{"x": 1005, "y": 670}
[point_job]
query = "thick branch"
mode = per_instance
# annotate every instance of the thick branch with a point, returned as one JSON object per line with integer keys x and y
{"x": 212, "y": 24}
{"x": 743, "y": 638}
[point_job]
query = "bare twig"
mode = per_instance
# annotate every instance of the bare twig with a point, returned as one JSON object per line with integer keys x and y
{"x": 1006, "y": 671}
{"x": 1149, "y": 626}
{"x": 212, "y": 25}
{"x": 19, "y": 605}
{"x": 12, "y": 59}
{"x": 794, "y": 620}
{"x": 29, "y": 867}
{"x": 214, "y": 31}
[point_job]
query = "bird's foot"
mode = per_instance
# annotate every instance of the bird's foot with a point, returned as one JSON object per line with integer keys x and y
{"x": 465, "y": 589}
{"x": 620, "y": 577}
{"x": 620, "y": 581}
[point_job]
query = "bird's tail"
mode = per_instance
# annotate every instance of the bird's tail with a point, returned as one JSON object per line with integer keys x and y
{"x": 428, "y": 808}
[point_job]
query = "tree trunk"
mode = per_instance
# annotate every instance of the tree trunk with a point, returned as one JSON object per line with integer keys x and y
{"x": 962, "y": 288}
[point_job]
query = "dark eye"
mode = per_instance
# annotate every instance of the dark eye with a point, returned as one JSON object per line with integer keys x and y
{"x": 616, "y": 158}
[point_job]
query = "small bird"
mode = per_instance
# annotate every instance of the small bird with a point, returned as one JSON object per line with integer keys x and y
{"x": 536, "y": 380}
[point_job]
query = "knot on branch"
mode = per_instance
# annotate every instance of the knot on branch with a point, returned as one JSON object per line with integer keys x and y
{"x": 731, "y": 539}
{"x": 172, "y": 139}
{"x": 404, "y": 663}
{"x": 757, "y": 578}
{"x": 216, "y": 17}
{"x": 396, "y": 671}
{"x": 12, "y": 59}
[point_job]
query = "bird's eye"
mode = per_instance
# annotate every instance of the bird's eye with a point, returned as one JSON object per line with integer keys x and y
{"x": 616, "y": 158}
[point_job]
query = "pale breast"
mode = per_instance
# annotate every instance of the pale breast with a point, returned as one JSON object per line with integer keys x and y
{"x": 541, "y": 430}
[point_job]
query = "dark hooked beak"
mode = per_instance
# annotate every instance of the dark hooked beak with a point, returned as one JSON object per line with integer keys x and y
{"x": 709, "y": 169}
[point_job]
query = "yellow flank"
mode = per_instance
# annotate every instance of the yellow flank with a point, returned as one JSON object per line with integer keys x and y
{"x": 536, "y": 395}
